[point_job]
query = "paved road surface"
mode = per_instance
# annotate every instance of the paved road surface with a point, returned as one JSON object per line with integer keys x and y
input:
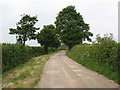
{"x": 62, "y": 72}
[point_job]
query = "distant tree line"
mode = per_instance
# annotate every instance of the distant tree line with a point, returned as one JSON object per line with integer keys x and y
{"x": 69, "y": 29}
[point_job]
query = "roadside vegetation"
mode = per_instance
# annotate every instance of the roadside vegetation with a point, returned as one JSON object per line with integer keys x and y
{"x": 26, "y": 75}
{"x": 16, "y": 54}
{"x": 22, "y": 65}
{"x": 101, "y": 57}
{"x": 70, "y": 29}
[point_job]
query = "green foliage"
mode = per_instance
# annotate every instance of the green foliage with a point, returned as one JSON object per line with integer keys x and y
{"x": 119, "y": 61}
{"x": 48, "y": 38}
{"x": 63, "y": 47}
{"x": 108, "y": 37}
{"x": 26, "y": 75}
{"x": 20, "y": 77}
{"x": 36, "y": 51}
{"x": 102, "y": 58}
{"x": 71, "y": 27}
{"x": 15, "y": 54}
{"x": 25, "y": 29}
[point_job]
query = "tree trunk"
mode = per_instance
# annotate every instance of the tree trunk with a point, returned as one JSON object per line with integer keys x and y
{"x": 24, "y": 42}
{"x": 46, "y": 49}
{"x": 24, "y": 39}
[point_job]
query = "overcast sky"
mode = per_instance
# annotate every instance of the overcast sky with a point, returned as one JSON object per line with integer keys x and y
{"x": 101, "y": 15}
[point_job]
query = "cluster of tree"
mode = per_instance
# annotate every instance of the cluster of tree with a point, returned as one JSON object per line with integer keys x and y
{"x": 107, "y": 38}
{"x": 69, "y": 29}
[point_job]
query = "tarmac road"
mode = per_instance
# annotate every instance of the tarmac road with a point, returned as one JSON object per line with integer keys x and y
{"x": 62, "y": 72}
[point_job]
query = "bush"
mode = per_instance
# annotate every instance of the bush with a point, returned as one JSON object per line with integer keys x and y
{"x": 16, "y": 54}
{"x": 103, "y": 58}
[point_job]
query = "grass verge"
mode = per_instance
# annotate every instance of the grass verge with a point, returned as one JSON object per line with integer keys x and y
{"x": 95, "y": 66}
{"x": 26, "y": 75}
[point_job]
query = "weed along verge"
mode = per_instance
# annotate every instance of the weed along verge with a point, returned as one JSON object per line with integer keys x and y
{"x": 99, "y": 58}
{"x": 26, "y": 75}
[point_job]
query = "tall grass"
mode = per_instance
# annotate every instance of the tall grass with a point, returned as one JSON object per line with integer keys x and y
{"x": 102, "y": 58}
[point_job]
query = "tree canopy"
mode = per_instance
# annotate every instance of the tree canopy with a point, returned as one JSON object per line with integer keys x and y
{"x": 48, "y": 38}
{"x": 108, "y": 37}
{"x": 25, "y": 29}
{"x": 71, "y": 27}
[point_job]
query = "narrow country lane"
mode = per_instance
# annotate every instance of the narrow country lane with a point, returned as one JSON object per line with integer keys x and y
{"x": 62, "y": 72}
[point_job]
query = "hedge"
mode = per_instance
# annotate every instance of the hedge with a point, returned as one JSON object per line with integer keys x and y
{"x": 16, "y": 54}
{"x": 103, "y": 58}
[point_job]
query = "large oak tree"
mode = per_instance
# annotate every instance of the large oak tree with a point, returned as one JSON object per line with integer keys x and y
{"x": 71, "y": 27}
